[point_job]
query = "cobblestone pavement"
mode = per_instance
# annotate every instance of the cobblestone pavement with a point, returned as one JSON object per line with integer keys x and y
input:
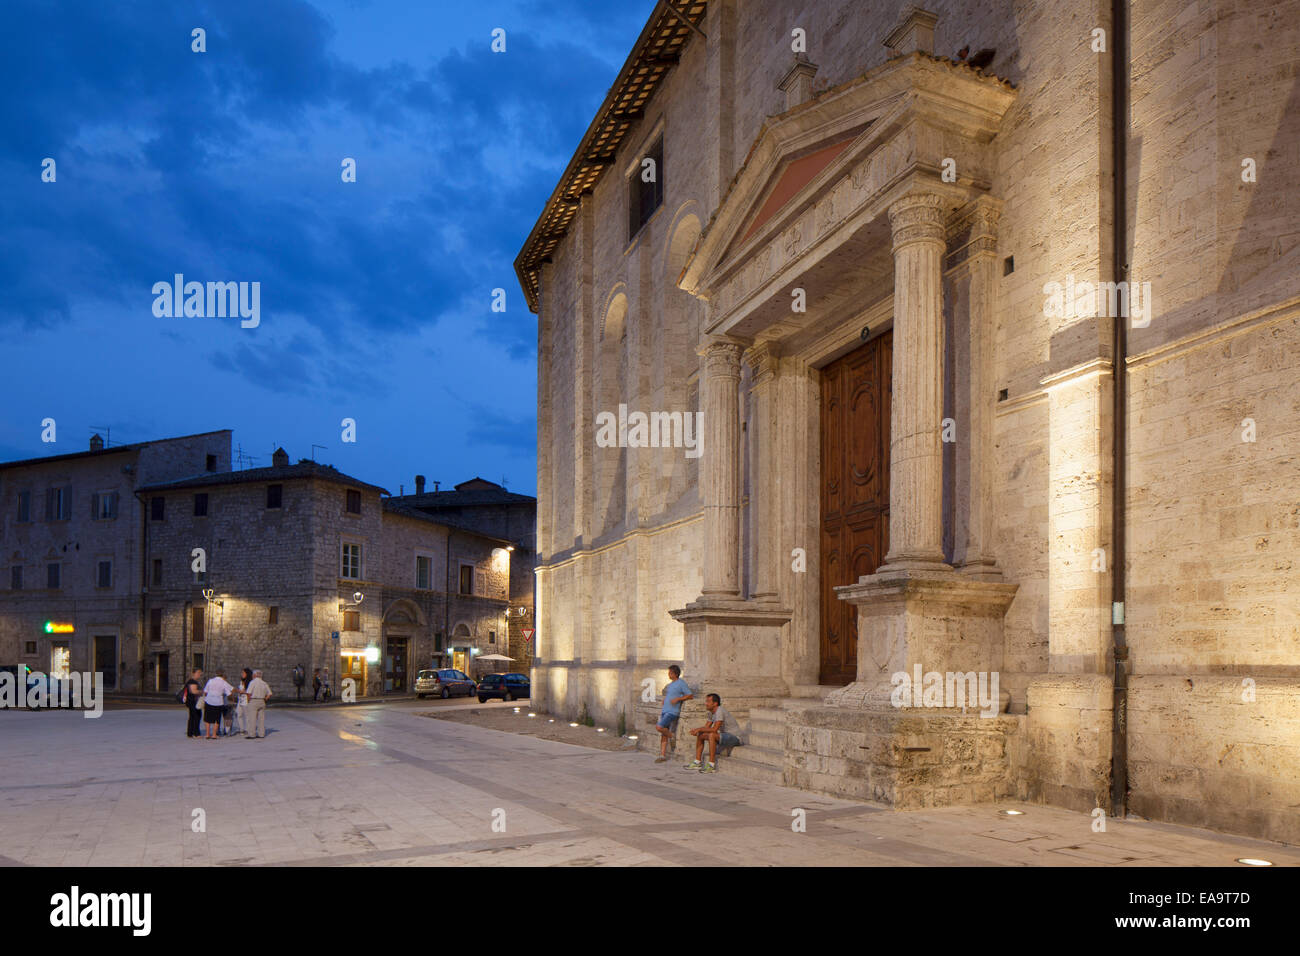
{"x": 379, "y": 785}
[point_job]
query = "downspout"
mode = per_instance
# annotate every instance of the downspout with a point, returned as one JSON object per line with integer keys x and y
{"x": 1119, "y": 644}
{"x": 144, "y": 589}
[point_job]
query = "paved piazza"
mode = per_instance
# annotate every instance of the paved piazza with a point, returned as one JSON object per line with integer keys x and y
{"x": 380, "y": 785}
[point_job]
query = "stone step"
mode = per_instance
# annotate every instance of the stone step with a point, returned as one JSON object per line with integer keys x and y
{"x": 767, "y": 728}
{"x": 738, "y": 766}
{"x": 768, "y": 756}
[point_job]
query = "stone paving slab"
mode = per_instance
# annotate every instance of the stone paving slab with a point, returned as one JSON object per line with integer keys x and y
{"x": 378, "y": 786}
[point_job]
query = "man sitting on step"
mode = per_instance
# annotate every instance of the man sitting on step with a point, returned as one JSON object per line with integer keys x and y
{"x": 720, "y": 731}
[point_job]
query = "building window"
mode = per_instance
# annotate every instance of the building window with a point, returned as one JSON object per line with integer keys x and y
{"x": 105, "y": 576}
{"x": 157, "y": 571}
{"x": 197, "y": 620}
{"x": 273, "y": 615}
{"x": 52, "y": 576}
{"x": 274, "y": 496}
{"x": 103, "y": 506}
{"x": 24, "y": 506}
{"x": 351, "y": 620}
{"x": 200, "y": 577}
{"x": 437, "y": 641}
{"x": 58, "y": 503}
{"x": 466, "y": 579}
{"x": 16, "y": 577}
{"x": 423, "y": 572}
{"x": 156, "y": 504}
{"x": 198, "y": 662}
{"x": 492, "y": 637}
{"x": 29, "y": 648}
{"x": 201, "y": 505}
{"x": 351, "y": 562}
{"x": 212, "y": 463}
{"x": 354, "y": 502}
{"x": 155, "y": 624}
{"x": 645, "y": 192}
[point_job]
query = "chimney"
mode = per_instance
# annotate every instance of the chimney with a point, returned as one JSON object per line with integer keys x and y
{"x": 915, "y": 32}
{"x": 280, "y": 458}
{"x": 797, "y": 82}
{"x": 435, "y": 485}
{"x": 96, "y": 443}
{"x": 419, "y": 484}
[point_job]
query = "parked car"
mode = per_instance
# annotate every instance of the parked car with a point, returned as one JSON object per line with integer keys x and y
{"x": 443, "y": 683}
{"x": 27, "y": 681}
{"x": 505, "y": 686}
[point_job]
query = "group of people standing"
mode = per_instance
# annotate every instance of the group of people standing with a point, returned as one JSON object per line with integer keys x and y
{"x": 224, "y": 709}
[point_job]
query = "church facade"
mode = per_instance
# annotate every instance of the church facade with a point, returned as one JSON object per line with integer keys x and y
{"x": 924, "y": 382}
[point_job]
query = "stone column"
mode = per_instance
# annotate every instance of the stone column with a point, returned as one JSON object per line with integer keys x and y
{"x": 720, "y": 469}
{"x": 916, "y": 465}
{"x": 764, "y": 527}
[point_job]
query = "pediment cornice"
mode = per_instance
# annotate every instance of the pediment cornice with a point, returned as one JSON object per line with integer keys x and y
{"x": 901, "y": 118}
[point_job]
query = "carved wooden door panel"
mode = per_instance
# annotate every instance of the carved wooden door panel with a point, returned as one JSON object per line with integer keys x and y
{"x": 854, "y": 492}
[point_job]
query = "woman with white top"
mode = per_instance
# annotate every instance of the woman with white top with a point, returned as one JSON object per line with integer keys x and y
{"x": 214, "y": 703}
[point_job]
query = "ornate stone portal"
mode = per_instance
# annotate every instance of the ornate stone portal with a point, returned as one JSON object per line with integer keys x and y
{"x": 861, "y": 167}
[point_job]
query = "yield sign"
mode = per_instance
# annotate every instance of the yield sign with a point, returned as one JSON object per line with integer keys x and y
{"x": 528, "y": 633}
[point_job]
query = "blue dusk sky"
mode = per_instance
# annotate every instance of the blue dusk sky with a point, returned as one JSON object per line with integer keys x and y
{"x": 225, "y": 166}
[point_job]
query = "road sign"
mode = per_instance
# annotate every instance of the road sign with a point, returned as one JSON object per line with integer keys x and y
{"x": 528, "y": 634}
{"x": 334, "y": 635}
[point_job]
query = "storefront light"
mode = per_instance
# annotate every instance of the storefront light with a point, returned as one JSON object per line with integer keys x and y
{"x": 56, "y": 627}
{"x": 372, "y": 654}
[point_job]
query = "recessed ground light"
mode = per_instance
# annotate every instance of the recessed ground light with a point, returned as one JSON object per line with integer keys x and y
{"x": 600, "y": 730}
{"x": 573, "y": 725}
{"x": 633, "y": 737}
{"x": 517, "y": 710}
{"x": 551, "y": 721}
{"x": 1248, "y": 861}
{"x": 1014, "y": 813}
{"x": 530, "y": 715}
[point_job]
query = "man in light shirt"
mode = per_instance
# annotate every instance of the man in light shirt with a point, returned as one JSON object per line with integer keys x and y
{"x": 720, "y": 731}
{"x": 257, "y": 692}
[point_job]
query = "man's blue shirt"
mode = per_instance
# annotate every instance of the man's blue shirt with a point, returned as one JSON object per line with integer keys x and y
{"x": 678, "y": 688}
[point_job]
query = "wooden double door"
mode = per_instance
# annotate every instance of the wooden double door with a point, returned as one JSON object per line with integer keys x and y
{"x": 855, "y": 403}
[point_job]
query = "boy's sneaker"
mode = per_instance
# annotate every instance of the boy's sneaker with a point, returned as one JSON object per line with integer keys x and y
{"x": 693, "y": 765}
{"x": 708, "y": 768}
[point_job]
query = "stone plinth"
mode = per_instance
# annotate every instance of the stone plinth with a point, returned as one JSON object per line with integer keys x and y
{"x": 906, "y": 759}
{"x": 734, "y": 647}
{"x": 943, "y": 621}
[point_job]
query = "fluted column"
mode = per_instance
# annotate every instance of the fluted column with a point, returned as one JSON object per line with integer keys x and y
{"x": 720, "y": 468}
{"x": 916, "y": 452}
{"x": 982, "y": 265}
{"x": 764, "y": 525}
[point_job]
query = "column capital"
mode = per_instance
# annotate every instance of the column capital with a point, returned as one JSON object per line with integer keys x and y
{"x": 721, "y": 354}
{"x": 762, "y": 358}
{"x": 973, "y": 230}
{"x": 918, "y": 217}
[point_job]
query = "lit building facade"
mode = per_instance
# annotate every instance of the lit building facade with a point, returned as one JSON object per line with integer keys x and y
{"x": 873, "y": 246}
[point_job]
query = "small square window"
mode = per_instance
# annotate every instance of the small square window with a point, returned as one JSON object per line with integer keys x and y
{"x": 273, "y": 615}
{"x": 52, "y": 575}
{"x": 212, "y": 463}
{"x": 29, "y": 647}
{"x": 156, "y": 505}
{"x": 492, "y": 637}
{"x": 351, "y": 620}
{"x": 198, "y": 662}
{"x": 201, "y": 505}
{"x": 354, "y": 502}
{"x": 274, "y": 496}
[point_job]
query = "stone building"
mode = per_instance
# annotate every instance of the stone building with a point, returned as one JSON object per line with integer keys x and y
{"x": 294, "y": 564}
{"x": 488, "y": 508}
{"x": 879, "y": 250}
{"x": 70, "y": 551}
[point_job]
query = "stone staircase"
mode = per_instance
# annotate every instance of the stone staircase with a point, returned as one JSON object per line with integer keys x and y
{"x": 762, "y": 758}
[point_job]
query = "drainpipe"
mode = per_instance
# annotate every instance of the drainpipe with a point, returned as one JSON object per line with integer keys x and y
{"x": 1119, "y": 643}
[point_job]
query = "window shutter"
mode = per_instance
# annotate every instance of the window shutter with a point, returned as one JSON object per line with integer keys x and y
{"x": 94, "y": 507}
{"x": 49, "y": 504}
{"x": 113, "y": 506}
